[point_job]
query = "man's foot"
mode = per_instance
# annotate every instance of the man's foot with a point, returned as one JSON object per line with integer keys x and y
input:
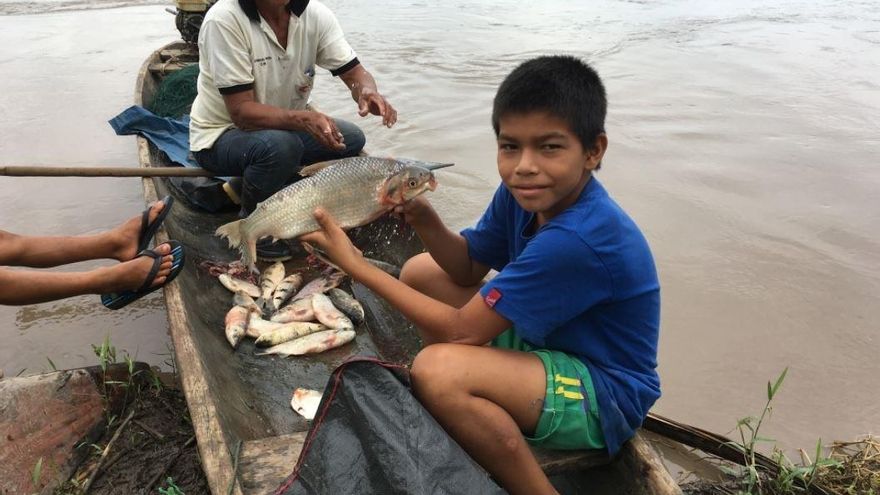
{"x": 130, "y": 275}
{"x": 125, "y": 237}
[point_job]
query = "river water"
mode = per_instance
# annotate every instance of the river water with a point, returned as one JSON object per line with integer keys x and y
{"x": 743, "y": 140}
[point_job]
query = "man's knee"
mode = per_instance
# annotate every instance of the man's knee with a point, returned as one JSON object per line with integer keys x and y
{"x": 353, "y": 137}
{"x": 277, "y": 148}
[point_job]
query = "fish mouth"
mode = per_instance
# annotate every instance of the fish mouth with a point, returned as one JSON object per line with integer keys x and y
{"x": 431, "y": 184}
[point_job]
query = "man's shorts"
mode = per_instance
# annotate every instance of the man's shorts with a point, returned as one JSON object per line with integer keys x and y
{"x": 570, "y": 419}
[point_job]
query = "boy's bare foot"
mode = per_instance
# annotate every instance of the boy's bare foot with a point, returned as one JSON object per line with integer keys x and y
{"x": 124, "y": 238}
{"x": 130, "y": 275}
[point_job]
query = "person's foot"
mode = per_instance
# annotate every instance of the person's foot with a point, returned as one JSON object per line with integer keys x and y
{"x": 130, "y": 275}
{"x": 125, "y": 237}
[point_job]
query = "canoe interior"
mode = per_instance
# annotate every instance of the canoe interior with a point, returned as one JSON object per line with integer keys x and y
{"x": 240, "y": 402}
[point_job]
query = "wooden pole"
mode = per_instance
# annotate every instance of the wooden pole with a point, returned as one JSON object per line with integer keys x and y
{"x": 40, "y": 171}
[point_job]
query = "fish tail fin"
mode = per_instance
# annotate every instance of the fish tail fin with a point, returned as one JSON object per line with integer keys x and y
{"x": 233, "y": 232}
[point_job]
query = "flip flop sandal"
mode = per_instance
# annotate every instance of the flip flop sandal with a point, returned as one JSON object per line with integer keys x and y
{"x": 148, "y": 230}
{"x": 122, "y": 299}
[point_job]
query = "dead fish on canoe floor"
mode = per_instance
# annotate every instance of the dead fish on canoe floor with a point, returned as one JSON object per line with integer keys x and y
{"x": 355, "y": 191}
{"x": 306, "y": 402}
{"x": 236, "y": 324}
{"x": 347, "y": 304}
{"x": 285, "y": 289}
{"x": 288, "y": 331}
{"x": 258, "y": 326}
{"x": 238, "y": 285}
{"x": 312, "y": 344}
{"x": 242, "y": 299}
{"x": 269, "y": 280}
{"x": 299, "y": 310}
{"x": 320, "y": 284}
{"x": 329, "y": 314}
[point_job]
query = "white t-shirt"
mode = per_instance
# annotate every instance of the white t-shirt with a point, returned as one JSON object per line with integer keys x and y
{"x": 235, "y": 51}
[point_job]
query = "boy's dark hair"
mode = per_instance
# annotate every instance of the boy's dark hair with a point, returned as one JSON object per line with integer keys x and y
{"x": 561, "y": 85}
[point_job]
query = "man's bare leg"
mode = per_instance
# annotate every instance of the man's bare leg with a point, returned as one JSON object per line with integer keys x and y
{"x": 119, "y": 243}
{"x": 485, "y": 398}
{"x": 19, "y": 287}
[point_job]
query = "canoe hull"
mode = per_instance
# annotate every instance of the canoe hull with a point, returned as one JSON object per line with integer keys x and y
{"x": 248, "y": 435}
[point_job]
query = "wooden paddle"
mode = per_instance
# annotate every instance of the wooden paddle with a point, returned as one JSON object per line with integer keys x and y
{"x": 41, "y": 171}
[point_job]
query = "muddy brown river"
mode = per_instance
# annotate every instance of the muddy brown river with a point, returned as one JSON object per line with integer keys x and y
{"x": 743, "y": 140}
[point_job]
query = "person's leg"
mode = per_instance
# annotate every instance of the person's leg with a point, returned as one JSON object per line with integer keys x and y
{"x": 265, "y": 159}
{"x": 423, "y": 274}
{"x": 119, "y": 243}
{"x": 352, "y": 136}
{"x": 486, "y": 399}
{"x": 19, "y": 287}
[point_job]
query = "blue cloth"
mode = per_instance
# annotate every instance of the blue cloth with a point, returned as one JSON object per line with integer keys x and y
{"x": 585, "y": 283}
{"x": 169, "y": 135}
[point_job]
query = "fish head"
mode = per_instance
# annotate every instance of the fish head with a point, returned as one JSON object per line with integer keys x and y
{"x": 406, "y": 184}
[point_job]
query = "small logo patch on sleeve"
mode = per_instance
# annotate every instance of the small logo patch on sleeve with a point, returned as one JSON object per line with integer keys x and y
{"x": 492, "y": 297}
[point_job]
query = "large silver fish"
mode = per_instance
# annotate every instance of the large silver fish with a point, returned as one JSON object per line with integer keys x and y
{"x": 355, "y": 191}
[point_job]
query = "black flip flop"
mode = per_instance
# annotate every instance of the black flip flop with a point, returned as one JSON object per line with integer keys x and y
{"x": 148, "y": 230}
{"x": 122, "y": 299}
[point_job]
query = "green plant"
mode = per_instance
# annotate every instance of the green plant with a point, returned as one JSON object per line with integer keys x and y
{"x": 789, "y": 478}
{"x": 749, "y": 431}
{"x": 172, "y": 488}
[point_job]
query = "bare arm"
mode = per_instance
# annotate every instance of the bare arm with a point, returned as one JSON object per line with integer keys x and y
{"x": 364, "y": 92}
{"x": 449, "y": 249}
{"x": 475, "y": 323}
{"x": 248, "y": 114}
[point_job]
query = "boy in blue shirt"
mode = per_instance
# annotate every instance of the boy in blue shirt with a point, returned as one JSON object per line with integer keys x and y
{"x": 560, "y": 348}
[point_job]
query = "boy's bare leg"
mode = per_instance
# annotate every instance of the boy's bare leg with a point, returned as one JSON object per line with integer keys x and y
{"x": 422, "y": 273}
{"x": 31, "y": 287}
{"x": 119, "y": 243}
{"x": 485, "y": 398}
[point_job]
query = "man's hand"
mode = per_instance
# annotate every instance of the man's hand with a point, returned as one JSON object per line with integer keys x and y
{"x": 334, "y": 242}
{"x": 323, "y": 129}
{"x": 370, "y": 101}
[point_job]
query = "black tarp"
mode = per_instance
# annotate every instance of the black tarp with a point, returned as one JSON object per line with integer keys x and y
{"x": 371, "y": 436}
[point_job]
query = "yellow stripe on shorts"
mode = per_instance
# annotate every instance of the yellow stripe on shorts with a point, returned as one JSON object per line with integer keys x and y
{"x": 567, "y": 381}
{"x": 569, "y": 395}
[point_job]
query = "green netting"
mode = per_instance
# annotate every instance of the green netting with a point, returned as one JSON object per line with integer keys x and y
{"x": 176, "y": 93}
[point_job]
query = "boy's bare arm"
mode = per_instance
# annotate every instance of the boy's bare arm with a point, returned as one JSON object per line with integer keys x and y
{"x": 475, "y": 323}
{"x": 449, "y": 249}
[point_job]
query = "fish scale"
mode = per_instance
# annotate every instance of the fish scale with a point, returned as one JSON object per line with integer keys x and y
{"x": 354, "y": 190}
{"x": 350, "y": 205}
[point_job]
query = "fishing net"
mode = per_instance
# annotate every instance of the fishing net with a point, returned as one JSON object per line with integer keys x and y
{"x": 176, "y": 93}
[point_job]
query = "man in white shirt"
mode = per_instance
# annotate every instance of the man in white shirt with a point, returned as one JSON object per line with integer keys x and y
{"x": 257, "y": 61}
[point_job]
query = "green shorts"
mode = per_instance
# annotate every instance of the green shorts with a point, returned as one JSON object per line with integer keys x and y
{"x": 570, "y": 419}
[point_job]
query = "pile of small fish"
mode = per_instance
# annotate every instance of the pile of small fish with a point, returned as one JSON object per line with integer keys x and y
{"x": 313, "y": 319}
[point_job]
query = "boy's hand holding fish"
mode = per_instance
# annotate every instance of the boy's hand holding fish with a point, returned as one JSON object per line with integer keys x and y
{"x": 335, "y": 243}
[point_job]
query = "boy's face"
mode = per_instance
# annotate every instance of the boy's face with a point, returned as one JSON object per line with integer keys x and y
{"x": 543, "y": 163}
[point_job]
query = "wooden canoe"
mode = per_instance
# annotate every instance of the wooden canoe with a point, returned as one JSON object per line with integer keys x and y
{"x": 249, "y": 438}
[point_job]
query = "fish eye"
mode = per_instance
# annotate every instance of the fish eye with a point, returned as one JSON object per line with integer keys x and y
{"x": 413, "y": 183}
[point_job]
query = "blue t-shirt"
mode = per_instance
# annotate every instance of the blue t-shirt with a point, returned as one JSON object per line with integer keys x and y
{"x": 585, "y": 283}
